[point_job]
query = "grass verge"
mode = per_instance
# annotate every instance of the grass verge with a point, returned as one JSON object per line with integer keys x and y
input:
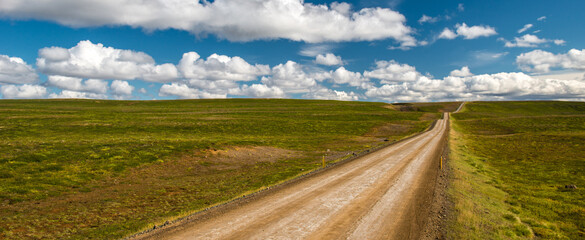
{"x": 512, "y": 162}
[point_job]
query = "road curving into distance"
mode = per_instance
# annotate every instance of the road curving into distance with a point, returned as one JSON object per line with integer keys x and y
{"x": 383, "y": 195}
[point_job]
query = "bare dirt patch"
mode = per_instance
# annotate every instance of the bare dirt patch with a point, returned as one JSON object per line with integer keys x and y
{"x": 389, "y": 130}
{"x": 247, "y": 155}
{"x": 213, "y": 159}
{"x": 165, "y": 188}
{"x": 235, "y": 157}
{"x": 389, "y": 106}
{"x": 428, "y": 117}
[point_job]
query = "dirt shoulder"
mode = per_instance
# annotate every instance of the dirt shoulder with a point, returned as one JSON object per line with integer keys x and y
{"x": 438, "y": 201}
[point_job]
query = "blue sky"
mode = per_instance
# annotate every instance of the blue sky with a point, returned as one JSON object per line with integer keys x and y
{"x": 392, "y": 51}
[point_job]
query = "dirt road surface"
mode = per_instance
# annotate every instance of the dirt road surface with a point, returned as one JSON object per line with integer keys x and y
{"x": 383, "y": 195}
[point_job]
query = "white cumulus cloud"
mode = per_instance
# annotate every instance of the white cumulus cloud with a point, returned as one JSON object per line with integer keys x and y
{"x": 258, "y": 91}
{"x": 290, "y": 77}
{"x": 77, "y": 84}
{"x": 354, "y": 79}
{"x": 528, "y": 40}
{"x": 89, "y": 60}
{"x": 14, "y": 70}
{"x": 78, "y": 94}
{"x": 467, "y": 32}
{"x": 447, "y": 34}
{"x": 329, "y": 94}
{"x": 474, "y": 31}
{"x": 540, "y": 61}
{"x": 26, "y": 91}
{"x": 499, "y": 86}
{"x": 391, "y": 71}
{"x": 181, "y": 90}
{"x": 121, "y": 89}
{"x": 235, "y": 20}
{"x": 461, "y": 85}
{"x": 212, "y": 86}
{"x": 220, "y": 67}
{"x": 395, "y": 93}
{"x": 463, "y": 72}
{"x": 328, "y": 59}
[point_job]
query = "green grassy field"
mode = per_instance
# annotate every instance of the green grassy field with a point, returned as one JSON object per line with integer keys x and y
{"x": 72, "y": 169}
{"x": 511, "y": 162}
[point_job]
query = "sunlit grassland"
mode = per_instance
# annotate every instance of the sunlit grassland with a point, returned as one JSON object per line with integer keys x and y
{"x": 105, "y": 169}
{"x": 511, "y": 163}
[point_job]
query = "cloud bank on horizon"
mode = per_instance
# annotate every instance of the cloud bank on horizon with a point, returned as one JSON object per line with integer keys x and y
{"x": 324, "y": 67}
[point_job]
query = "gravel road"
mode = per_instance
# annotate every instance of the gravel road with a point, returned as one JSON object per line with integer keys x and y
{"x": 382, "y": 195}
